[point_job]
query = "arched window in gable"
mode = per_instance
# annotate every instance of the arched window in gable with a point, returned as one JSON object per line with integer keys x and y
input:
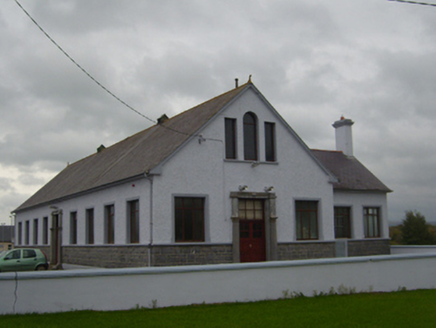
{"x": 250, "y": 137}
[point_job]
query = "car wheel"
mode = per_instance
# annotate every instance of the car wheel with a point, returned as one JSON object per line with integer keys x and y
{"x": 41, "y": 268}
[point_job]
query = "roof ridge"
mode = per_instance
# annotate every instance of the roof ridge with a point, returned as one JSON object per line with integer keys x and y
{"x": 207, "y": 101}
{"x": 141, "y": 152}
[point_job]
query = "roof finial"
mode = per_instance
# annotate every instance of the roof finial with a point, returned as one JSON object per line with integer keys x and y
{"x": 249, "y": 79}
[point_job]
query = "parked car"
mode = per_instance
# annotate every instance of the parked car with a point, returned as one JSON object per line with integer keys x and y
{"x": 23, "y": 259}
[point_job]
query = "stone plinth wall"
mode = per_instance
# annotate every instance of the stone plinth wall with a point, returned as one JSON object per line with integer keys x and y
{"x": 368, "y": 247}
{"x": 191, "y": 254}
{"x": 124, "y": 256}
{"x": 138, "y": 255}
{"x": 306, "y": 250}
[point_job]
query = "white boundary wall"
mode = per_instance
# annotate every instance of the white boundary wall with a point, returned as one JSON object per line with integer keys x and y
{"x": 412, "y": 249}
{"x": 120, "y": 289}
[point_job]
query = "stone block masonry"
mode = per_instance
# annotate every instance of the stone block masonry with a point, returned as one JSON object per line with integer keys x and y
{"x": 368, "y": 247}
{"x": 305, "y": 250}
{"x": 125, "y": 256}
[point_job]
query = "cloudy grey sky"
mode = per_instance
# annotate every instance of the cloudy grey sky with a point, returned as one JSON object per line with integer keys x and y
{"x": 373, "y": 61}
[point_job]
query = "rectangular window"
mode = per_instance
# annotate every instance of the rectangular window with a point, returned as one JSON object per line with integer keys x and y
{"x": 371, "y": 220}
{"x": 306, "y": 213}
{"x": 20, "y": 233}
{"x": 109, "y": 227}
{"x": 270, "y": 151}
{"x": 342, "y": 222}
{"x": 230, "y": 127}
{"x": 26, "y": 232}
{"x": 35, "y": 231}
{"x": 189, "y": 219}
{"x": 250, "y": 136}
{"x": 251, "y": 209}
{"x": 45, "y": 230}
{"x": 90, "y": 226}
{"x": 133, "y": 221}
{"x": 73, "y": 228}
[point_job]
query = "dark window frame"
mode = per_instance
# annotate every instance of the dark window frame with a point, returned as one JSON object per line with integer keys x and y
{"x": 189, "y": 219}
{"x": 230, "y": 137}
{"x": 304, "y": 220}
{"x": 372, "y": 229}
{"x": 342, "y": 218}
{"x": 270, "y": 142}
{"x": 109, "y": 224}
{"x": 133, "y": 221}
{"x": 73, "y": 227}
{"x": 20, "y": 233}
{"x": 250, "y": 137}
{"x": 27, "y": 233}
{"x": 90, "y": 226}
{"x": 45, "y": 230}
{"x": 35, "y": 231}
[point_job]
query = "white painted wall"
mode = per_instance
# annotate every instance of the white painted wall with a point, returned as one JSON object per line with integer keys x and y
{"x": 413, "y": 249}
{"x": 200, "y": 169}
{"x": 118, "y": 196}
{"x": 121, "y": 289}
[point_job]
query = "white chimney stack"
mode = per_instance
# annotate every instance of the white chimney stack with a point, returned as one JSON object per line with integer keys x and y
{"x": 344, "y": 136}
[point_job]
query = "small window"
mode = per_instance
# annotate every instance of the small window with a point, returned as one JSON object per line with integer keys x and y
{"x": 230, "y": 130}
{"x": 109, "y": 232}
{"x": 27, "y": 233}
{"x": 250, "y": 137}
{"x": 342, "y": 222}
{"x": 307, "y": 219}
{"x": 35, "y": 232}
{"x": 45, "y": 230}
{"x": 371, "y": 220}
{"x": 28, "y": 253}
{"x": 133, "y": 221}
{"x": 73, "y": 228}
{"x": 20, "y": 233}
{"x": 90, "y": 226}
{"x": 270, "y": 151}
{"x": 189, "y": 219}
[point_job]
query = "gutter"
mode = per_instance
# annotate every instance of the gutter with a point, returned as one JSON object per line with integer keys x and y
{"x": 150, "y": 245}
{"x": 77, "y": 194}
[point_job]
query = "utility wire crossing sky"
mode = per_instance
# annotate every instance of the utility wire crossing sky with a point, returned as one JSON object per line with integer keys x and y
{"x": 369, "y": 60}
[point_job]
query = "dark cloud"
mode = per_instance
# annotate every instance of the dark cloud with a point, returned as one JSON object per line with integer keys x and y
{"x": 369, "y": 60}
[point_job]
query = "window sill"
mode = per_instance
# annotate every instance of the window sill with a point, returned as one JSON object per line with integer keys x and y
{"x": 252, "y": 163}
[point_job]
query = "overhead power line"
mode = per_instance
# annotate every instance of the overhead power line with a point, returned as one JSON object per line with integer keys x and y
{"x": 416, "y": 2}
{"x": 80, "y": 67}
{"x": 101, "y": 85}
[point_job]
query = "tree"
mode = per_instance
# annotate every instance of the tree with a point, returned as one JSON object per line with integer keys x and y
{"x": 415, "y": 230}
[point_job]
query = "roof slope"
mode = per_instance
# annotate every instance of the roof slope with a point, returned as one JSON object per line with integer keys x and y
{"x": 352, "y": 175}
{"x": 132, "y": 157}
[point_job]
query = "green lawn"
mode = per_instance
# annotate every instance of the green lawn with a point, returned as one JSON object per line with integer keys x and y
{"x": 398, "y": 309}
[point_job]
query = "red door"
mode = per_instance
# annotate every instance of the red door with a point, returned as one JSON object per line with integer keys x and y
{"x": 251, "y": 230}
{"x": 252, "y": 240}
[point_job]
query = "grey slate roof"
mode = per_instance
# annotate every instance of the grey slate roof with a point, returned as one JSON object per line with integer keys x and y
{"x": 132, "y": 157}
{"x": 352, "y": 175}
{"x": 143, "y": 152}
